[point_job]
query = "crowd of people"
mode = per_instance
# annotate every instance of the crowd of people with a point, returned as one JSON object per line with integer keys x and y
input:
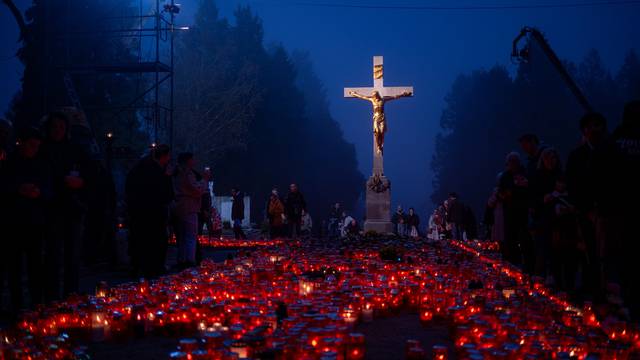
{"x": 49, "y": 187}
{"x": 452, "y": 219}
{"x": 574, "y": 225}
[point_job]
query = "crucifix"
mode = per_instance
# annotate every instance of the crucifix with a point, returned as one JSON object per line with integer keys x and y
{"x": 378, "y": 192}
{"x": 378, "y": 95}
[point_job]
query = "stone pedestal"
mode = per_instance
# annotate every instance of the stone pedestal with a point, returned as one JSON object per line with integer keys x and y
{"x": 378, "y": 205}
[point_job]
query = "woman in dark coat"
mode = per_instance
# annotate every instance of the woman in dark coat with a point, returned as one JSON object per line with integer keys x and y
{"x": 413, "y": 223}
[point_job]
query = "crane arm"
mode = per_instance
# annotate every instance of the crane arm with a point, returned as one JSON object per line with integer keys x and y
{"x": 536, "y": 35}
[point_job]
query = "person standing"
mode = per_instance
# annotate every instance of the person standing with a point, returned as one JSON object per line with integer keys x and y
{"x": 413, "y": 223}
{"x": 188, "y": 200}
{"x": 627, "y": 140}
{"x": 456, "y": 216}
{"x": 205, "y": 215}
{"x": 399, "y": 223}
{"x": 237, "y": 213}
{"x": 294, "y": 207}
{"x": 71, "y": 174}
{"x": 334, "y": 220}
{"x": 513, "y": 189}
{"x": 26, "y": 185}
{"x": 306, "y": 224}
{"x": 590, "y": 170}
{"x": 543, "y": 184}
{"x": 148, "y": 193}
{"x": 530, "y": 144}
{"x": 275, "y": 215}
{"x": 5, "y": 135}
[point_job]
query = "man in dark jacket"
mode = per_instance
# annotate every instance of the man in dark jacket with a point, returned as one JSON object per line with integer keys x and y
{"x": 27, "y": 189}
{"x": 237, "y": 213}
{"x": 627, "y": 141}
{"x": 294, "y": 205}
{"x": 71, "y": 171}
{"x": 591, "y": 167}
{"x": 149, "y": 193}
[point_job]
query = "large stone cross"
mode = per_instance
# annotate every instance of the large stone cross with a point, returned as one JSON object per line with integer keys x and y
{"x": 378, "y": 192}
{"x": 379, "y": 121}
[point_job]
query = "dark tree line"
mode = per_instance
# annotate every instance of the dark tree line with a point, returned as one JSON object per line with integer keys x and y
{"x": 259, "y": 116}
{"x": 486, "y": 111}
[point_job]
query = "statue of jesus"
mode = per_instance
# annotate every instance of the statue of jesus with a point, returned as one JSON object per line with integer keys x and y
{"x": 379, "y": 120}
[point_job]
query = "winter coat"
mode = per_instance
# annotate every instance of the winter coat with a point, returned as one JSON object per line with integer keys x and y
{"x": 65, "y": 158}
{"x": 188, "y": 192}
{"x": 413, "y": 220}
{"x": 294, "y": 205}
{"x": 148, "y": 190}
{"x": 275, "y": 211}
{"x": 398, "y": 218}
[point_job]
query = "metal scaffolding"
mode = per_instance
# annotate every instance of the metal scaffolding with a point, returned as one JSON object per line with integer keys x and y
{"x": 149, "y": 36}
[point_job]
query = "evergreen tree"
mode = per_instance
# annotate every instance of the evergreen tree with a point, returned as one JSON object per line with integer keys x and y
{"x": 249, "y": 113}
{"x": 487, "y": 111}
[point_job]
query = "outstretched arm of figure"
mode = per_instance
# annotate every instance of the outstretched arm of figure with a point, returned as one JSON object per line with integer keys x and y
{"x": 404, "y": 94}
{"x": 355, "y": 94}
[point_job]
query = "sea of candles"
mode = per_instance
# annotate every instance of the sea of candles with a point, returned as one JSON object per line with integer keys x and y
{"x": 222, "y": 242}
{"x": 304, "y": 301}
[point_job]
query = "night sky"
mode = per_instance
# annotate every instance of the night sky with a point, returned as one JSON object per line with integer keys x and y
{"x": 424, "y": 48}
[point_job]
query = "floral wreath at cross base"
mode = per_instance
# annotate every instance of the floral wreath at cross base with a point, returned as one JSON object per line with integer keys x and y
{"x": 377, "y": 184}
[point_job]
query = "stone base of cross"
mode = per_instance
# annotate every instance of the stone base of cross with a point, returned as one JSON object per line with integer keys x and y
{"x": 378, "y": 198}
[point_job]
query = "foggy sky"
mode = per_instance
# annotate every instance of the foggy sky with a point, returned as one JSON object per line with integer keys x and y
{"x": 425, "y": 49}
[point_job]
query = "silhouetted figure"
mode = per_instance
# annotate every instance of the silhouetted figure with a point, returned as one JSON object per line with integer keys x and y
{"x": 294, "y": 206}
{"x": 565, "y": 243}
{"x": 543, "y": 183}
{"x": 413, "y": 223}
{"x": 590, "y": 168}
{"x": 470, "y": 223}
{"x": 530, "y": 144}
{"x": 205, "y": 216}
{"x": 627, "y": 140}
{"x": 26, "y": 187}
{"x": 334, "y": 220}
{"x": 275, "y": 215}
{"x": 456, "y": 216}
{"x": 5, "y": 135}
{"x": 71, "y": 170}
{"x": 513, "y": 191}
{"x": 148, "y": 193}
{"x": 306, "y": 223}
{"x": 237, "y": 213}
{"x": 398, "y": 219}
{"x": 188, "y": 191}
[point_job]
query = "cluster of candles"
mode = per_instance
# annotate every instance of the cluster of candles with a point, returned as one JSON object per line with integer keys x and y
{"x": 221, "y": 242}
{"x": 304, "y": 302}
